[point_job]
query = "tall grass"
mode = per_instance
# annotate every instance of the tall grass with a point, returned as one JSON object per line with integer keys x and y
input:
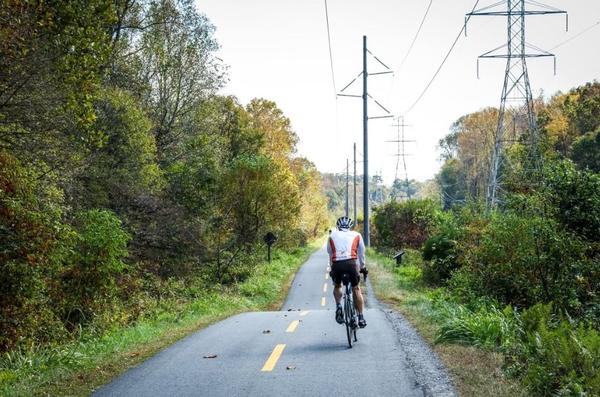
{"x": 487, "y": 327}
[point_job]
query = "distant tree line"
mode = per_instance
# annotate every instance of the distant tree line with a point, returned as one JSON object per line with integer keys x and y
{"x": 334, "y": 187}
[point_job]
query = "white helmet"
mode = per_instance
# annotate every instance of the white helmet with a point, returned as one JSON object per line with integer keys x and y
{"x": 344, "y": 223}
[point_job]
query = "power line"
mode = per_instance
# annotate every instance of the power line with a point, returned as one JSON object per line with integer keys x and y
{"x": 410, "y": 47}
{"x": 330, "y": 52}
{"x": 576, "y": 36}
{"x": 443, "y": 61}
{"x": 337, "y": 121}
{"x": 416, "y": 35}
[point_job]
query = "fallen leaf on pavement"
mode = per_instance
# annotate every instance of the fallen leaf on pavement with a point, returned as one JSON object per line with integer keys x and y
{"x": 210, "y": 356}
{"x": 290, "y": 367}
{"x": 266, "y": 331}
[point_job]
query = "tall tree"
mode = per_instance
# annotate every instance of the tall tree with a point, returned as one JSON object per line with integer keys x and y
{"x": 52, "y": 57}
{"x": 179, "y": 69}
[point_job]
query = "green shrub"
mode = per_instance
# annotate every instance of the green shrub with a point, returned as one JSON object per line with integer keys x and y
{"x": 585, "y": 151}
{"x": 465, "y": 285}
{"x": 456, "y": 232}
{"x": 523, "y": 260}
{"x": 32, "y": 245}
{"x": 90, "y": 282}
{"x": 407, "y": 224}
{"x": 439, "y": 253}
{"x": 438, "y": 247}
{"x": 553, "y": 356}
{"x": 574, "y": 197}
{"x": 102, "y": 244}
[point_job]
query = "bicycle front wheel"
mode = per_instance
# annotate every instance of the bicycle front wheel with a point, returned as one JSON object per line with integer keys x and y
{"x": 354, "y": 322}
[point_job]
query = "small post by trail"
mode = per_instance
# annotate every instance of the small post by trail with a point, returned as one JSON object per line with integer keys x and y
{"x": 269, "y": 239}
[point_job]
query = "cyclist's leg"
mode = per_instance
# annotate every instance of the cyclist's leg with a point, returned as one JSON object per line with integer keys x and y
{"x": 337, "y": 293}
{"x": 359, "y": 302}
{"x": 336, "y": 276}
{"x": 355, "y": 282}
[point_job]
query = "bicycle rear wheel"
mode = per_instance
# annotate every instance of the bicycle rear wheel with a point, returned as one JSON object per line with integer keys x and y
{"x": 348, "y": 319}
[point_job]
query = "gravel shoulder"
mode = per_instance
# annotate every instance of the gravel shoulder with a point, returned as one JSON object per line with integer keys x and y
{"x": 430, "y": 373}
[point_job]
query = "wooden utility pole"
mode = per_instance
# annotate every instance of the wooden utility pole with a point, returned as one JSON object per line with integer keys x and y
{"x": 365, "y": 96}
{"x": 347, "y": 189}
{"x": 354, "y": 184}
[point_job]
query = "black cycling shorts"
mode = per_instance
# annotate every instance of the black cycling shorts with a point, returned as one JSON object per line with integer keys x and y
{"x": 349, "y": 266}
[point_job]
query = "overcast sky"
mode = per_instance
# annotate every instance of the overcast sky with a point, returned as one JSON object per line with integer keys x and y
{"x": 277, "y": 49}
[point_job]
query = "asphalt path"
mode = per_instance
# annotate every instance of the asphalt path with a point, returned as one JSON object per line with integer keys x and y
{"x": 298, "y": 351}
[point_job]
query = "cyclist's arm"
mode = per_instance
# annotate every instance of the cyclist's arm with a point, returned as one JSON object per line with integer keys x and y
{"x": 361, "y": 253}
{"x": 329, "y": 251}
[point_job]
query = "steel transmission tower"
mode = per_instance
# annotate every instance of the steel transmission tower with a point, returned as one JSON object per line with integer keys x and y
{"x": 516, "y": 103}
{"x": 401, "y": 152}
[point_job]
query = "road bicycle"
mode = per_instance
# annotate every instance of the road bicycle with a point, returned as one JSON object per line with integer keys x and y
{"x": 350, "y": 316}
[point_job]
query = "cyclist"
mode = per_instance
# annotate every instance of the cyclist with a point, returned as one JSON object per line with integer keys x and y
{"x": 346, "y": 251}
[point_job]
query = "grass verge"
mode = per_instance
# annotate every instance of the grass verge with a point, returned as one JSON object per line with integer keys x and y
{"x": 475, "y": 371}
{"x": 77, "y": 368}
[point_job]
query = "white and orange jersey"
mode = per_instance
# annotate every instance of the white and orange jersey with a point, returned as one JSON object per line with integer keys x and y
{"x": 346, "y": 244}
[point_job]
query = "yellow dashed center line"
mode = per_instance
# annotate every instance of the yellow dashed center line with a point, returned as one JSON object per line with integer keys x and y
{"x": 304, "y": 313}
{"x": 326, "y": 276}
{"x": 323, "y": 301}
{"x": 293, "y": 326}
{"x": 325, "y": 287}
{"x": 273, "y": 358}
